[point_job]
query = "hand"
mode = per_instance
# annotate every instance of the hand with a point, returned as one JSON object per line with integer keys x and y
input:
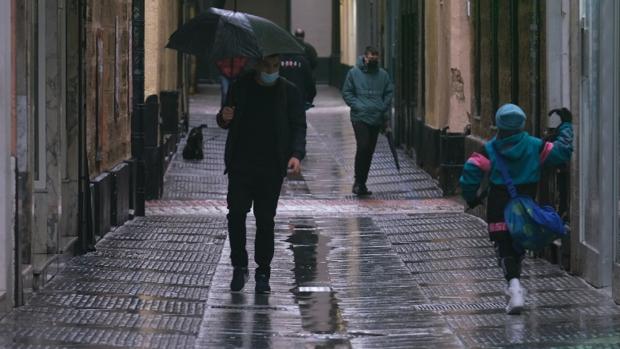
{"x": 294, "y": 165}
{"x": 565, "y": 114}
{"x": 228, "y": 113}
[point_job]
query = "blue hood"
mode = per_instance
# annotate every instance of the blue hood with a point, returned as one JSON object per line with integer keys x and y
{"x": 360, "y": 61}
{"x": 521, "y": 154}
{"x": 513, "y": 147}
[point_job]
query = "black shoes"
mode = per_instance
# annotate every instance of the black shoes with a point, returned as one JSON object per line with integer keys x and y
{"x": 360, "y": 189}
{"x": 240, "y": 277}
{"x": 262, "y": 282}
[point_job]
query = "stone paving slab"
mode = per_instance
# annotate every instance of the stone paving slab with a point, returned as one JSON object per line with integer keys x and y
{"x": 467, "y": 288}
{"x": 328, "y": 167}
{"x": 134, "y": 291}
{"x": 404, "y": 268}
{"x": 355, "y": 302}
{"x": 318, "y": 207}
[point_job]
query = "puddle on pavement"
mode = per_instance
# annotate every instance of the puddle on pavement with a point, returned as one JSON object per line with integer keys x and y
{"x": 317, "y": 301}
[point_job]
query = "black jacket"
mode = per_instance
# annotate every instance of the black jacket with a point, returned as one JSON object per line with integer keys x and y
{"x": 290, "y": 120}
{"x": 296, "y": 69}
{"x": 310, "y": 53}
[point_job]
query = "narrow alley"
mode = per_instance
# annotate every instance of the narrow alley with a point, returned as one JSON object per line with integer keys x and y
{"x": 405, "y": 268}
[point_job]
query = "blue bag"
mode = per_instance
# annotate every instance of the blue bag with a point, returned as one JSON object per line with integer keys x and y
{"x": 531, "y": 226}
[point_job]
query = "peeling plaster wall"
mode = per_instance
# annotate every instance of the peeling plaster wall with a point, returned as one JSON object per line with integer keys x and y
{"x": 448, "y": 65}
{"x": 461, "y": 80}
{"x": 160, "y": 63}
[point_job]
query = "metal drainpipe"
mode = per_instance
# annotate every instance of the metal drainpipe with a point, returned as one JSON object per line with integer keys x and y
{"x": 534, "y": 69}
{"x": 137, "y": 129}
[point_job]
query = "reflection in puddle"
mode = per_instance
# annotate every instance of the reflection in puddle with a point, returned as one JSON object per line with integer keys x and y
{"x": 317, "y": 301}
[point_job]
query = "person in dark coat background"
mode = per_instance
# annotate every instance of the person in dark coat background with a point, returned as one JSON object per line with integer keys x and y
{"x": 310, "y": 52}
{"x": 297, "y": 70}
{"x": 266, "y": 124}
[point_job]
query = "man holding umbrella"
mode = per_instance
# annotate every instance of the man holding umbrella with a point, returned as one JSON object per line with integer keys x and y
{"x": 266, "y": 123}
{"x": 368, "y": 91}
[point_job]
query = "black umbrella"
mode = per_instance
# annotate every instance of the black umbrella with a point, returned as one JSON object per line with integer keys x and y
{"x": 390, "y": 139}
{"x": 224, "y": 34}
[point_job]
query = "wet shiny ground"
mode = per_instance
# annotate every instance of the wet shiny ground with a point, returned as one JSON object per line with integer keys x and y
{"x": 406, "y": 269}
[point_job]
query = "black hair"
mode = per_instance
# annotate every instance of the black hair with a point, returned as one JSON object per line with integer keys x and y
{"x": 371, "y": 50}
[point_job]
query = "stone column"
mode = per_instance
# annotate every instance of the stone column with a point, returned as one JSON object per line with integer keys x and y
{"x": 6, "y": 163}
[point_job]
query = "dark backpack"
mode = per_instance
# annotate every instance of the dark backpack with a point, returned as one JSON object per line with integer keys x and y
{"x": 193, "y": 147}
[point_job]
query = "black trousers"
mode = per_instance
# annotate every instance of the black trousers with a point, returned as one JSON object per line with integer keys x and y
{"x": 366, "y": 138}
{"x": 508, "y": 258}
{"x": 261, "y": 191}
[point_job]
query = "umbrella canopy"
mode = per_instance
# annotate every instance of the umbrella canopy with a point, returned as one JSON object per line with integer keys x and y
{"x": 224, "y": 34}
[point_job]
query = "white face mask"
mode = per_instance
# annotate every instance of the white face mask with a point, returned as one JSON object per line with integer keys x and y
{"x": 269, "y": 79}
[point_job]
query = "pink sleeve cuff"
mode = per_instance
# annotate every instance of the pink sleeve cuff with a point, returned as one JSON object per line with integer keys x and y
{"x": 480, "y": 161}
{"x": 546, "y": 151}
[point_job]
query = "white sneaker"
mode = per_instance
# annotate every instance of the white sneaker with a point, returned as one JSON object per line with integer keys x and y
{"x": 516, "y": 292}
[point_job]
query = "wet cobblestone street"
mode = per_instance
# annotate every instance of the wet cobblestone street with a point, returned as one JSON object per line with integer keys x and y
{"x": 405, "y": 268}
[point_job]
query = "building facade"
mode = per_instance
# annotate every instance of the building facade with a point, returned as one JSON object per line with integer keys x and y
{"x": 593, "y": 35}
{"x": 458, "y": 61}
{"x": 74, "y": 158}
{"x": 71, "y": 122}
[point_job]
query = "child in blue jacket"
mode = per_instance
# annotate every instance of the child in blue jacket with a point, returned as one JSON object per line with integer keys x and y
{"x": 524, "y": 156}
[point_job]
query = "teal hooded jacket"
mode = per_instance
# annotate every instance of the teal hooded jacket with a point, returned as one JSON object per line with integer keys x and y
{"x": 524, "y": 155}
{"x": 369, "y": 93}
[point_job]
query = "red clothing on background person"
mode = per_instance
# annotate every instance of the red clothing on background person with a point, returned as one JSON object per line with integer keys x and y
{"x": 231, "y": 67}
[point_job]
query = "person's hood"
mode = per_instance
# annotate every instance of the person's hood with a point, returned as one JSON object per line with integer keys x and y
{"x": 512, "y": 147}
{"x": 363, "y": 67}
{"x": 360, "y": 62}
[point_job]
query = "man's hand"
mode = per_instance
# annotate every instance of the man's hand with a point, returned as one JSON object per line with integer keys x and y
{"x": 228, "y": 113}
{"x": 294, "y": 165}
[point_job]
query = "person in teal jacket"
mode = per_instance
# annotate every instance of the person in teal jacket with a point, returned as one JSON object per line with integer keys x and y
{"x": 368, "y": 91}
{"x": 525, "y": 156}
